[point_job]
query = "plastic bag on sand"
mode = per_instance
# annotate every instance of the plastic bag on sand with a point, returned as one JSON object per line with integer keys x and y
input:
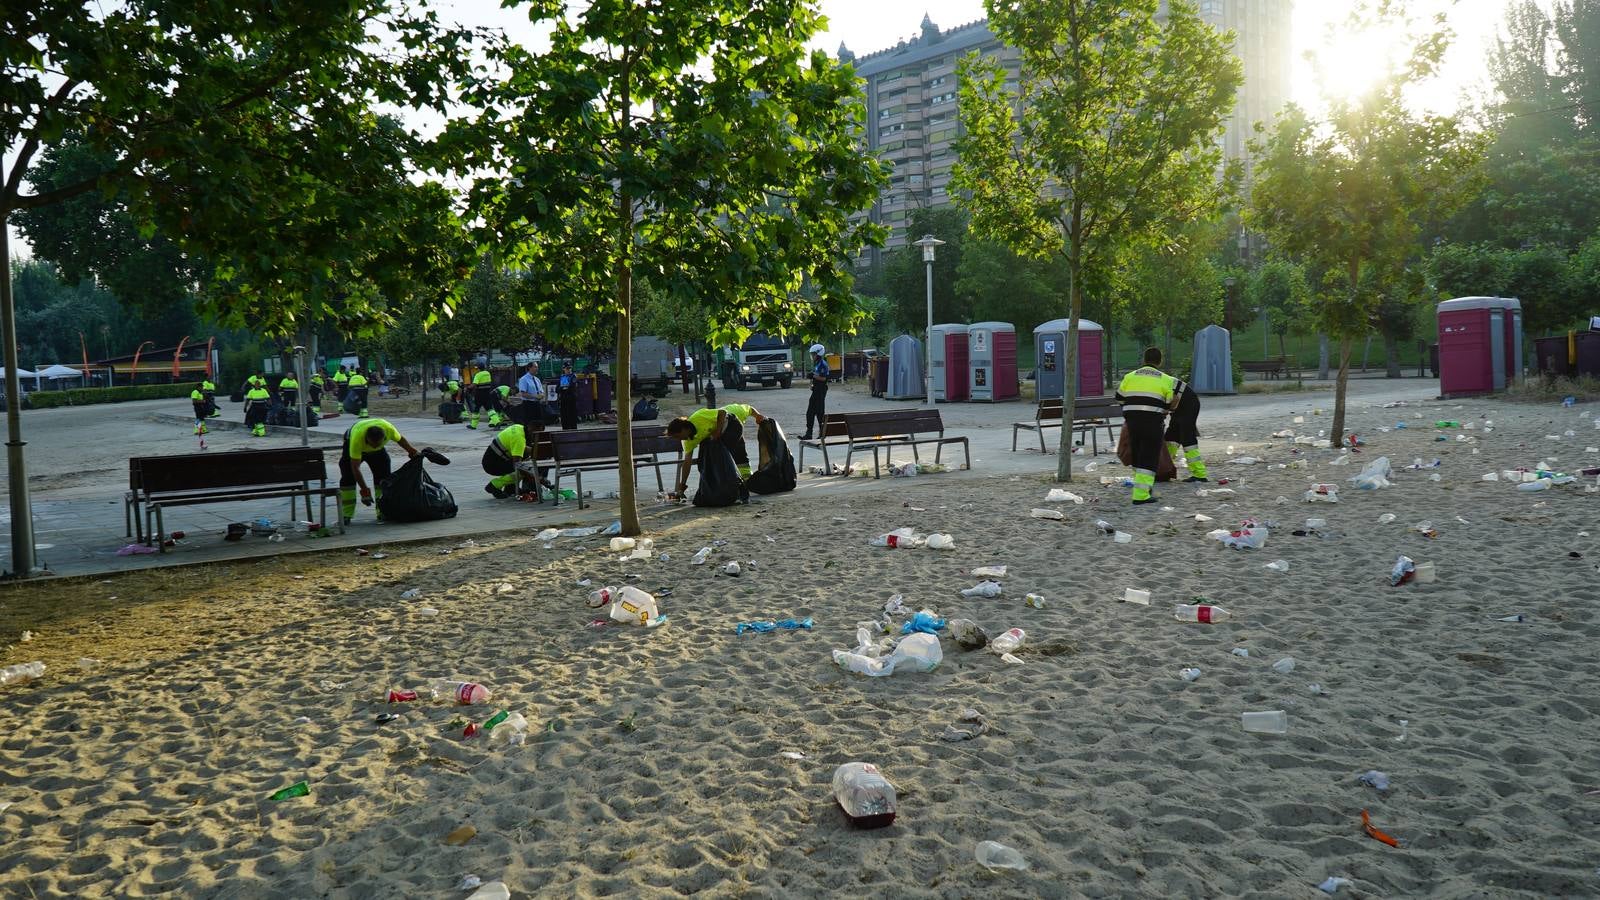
{"x": 1057, "y": 495}
{"x": 1047, "y": 514}
{"x": 1249, "y": 536}
{"x": 983, "y": 589}
{"x": 989, "y": 572}
{"x": 1374, "y": 476}
{"x": 917, "y": 653}
{"x": 940, "y": 541}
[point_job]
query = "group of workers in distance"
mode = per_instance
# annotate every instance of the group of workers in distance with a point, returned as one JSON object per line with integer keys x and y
{"x": 482, "y": 397}
{"x": 1148, "y": 395}
{"x": 262, "y": 398}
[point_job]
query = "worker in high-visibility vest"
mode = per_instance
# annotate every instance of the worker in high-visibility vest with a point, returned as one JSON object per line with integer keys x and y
{"x": 289, "y": 393}
{"x": 318, "y": 386}
{"x": 483, "y": 397}
{"x": 1146, "y": 394}
{"x": 257, "y": 401}
{"x": 358, "y": 383}
{"x": 512, "y": 445}
{"x": 341, "y": 381}
{"x": 365, "y": 442}
{"x": 1183, "y": 431}
{"x": 208, "y": 389}
{"x": 202, "y": 409}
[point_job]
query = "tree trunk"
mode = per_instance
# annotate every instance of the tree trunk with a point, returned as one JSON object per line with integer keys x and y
{"x": 1391, "y": 353}
{"x": 22, "y": 551}
{"x": 683, "y": 370}
{"x": 1282, "y": 350}
{"x": 1169, "y": 364}
{"x": 1336, "y": 433}
{"x": 1366, "y": 351}
{"x": 1322, "y": 357}
{"x": 625, "y": 470}
{"x": 1069, "y": 391}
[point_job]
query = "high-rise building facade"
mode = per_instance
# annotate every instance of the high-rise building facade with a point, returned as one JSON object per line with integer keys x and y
{"x": 911, "y": 99}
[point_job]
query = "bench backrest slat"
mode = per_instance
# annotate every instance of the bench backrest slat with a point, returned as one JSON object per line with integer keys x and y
{"x": 896, "y": 422}
{"x": 236, "y": 469}
{"x": 598, "y": 444}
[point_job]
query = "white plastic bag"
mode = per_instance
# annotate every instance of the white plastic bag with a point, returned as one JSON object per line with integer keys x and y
{"x": 916, "y": 653}
{"x": 1248, "y": 537}
{"x": 1374, "y": 476}
{"x": 983, "y": 589}
{"x": 1057, "y": 495}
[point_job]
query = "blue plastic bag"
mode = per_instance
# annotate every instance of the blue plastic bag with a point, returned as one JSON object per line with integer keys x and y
{"x": 924, "y": 622}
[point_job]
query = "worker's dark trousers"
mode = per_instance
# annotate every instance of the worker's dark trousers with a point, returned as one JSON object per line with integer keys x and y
{"x": 1144, "y": 440}
{"x": 817, "y": 409}
{"x": 377, "y": 463}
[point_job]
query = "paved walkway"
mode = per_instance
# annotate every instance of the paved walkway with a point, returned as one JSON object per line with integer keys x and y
{"x": 78, "y": 471}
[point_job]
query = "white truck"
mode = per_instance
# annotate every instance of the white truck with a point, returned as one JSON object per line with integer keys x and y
{"x": 763, "y": 359}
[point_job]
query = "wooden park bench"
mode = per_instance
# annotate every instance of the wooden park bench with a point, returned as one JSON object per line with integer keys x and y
{"x": 897, "y": 428}
{"x": 1089, "y": 414}
{"x": 1275, "y": 367}
{"x": 595, "y": 449}
{"x": 157, "y": 482}
{"x": 833, "y": 433}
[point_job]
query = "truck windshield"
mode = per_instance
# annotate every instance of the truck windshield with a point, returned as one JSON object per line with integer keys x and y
{"x": 759, "y": 341}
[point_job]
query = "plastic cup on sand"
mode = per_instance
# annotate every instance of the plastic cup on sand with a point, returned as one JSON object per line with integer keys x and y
{"x": 1134, "y": 595}
{"x": 1273, "y": 722}
{"x": 1424, "y": 573}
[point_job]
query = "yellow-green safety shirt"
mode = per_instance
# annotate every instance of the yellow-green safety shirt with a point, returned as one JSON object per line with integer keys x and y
{"x": 358, "y": 437}
{"x": 482, "y": 376}
{"x": 1146, "y": 389}
{"x": 358, "y": 381}
{"x": 706, "y": 419}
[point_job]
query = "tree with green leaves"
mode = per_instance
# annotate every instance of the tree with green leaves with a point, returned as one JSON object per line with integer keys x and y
{"x": 1174, "y": 287}
{"x": 1352, "y": 194}
{"x": 248, "y": 134}
{"x": 1110, "y": 141}
{"x": 905, "y": 274}
{"x": 694, "y": 143}
{"x": 1279, "y": 286}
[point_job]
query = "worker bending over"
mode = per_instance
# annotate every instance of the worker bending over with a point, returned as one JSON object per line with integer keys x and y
{"x": 1183, "y": 431}
{"x": 725, "y": 425}
{"x": 366, "y": 442}
{"x": 500, "y": 458}
{"x": 483, "y": 399}
{"x": 257, "y": 401}
{"x": 1146, "y": 394}
{"x": 358, "y": 386}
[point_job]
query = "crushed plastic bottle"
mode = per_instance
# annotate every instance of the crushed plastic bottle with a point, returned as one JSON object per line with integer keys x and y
{"x": 699, "y": 559}
{"x": 1010, "y": 640}
{"x": 466, "y": 693}
{"x": 866, "y": 797}
{"x": 993, "y": 855}
{"x": 1189, "y": 674}
{"x": 917, "y": 653}
{"x": 899, "y": 539}
{"x": 1034, "y": 601}
{"x": 1284, "y": 666}
{"x": 21, "y": 672}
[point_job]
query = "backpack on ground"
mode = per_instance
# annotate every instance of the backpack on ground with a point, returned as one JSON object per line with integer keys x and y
{"x": 646, "y": 410}
{"x": 776, "y": 473}
{"x": 450, "y": 412}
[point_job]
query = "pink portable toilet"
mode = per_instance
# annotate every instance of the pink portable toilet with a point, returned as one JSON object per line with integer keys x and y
{"x": 1050, "y": 343}
{"x": 950, "y": 367}
{"x": 1480, "y": 345}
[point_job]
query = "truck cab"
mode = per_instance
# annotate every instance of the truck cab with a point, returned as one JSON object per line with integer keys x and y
{"x": 762, "y": 359}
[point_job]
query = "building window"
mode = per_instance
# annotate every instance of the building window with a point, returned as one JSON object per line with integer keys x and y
{"x": 938, "y": 81}
{"x": 1211, "y": 8}
{"x": 941, "y": 98}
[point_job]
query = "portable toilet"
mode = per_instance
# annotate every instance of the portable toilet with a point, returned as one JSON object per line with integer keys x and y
{"x": 950, "y": 363}
{"x": 905, "y": 369}
{"x": 1480, "y": 344}
{"x": 1050, "y": 344}
{"x": 1213, "y": 361}
{"x": 992, "y": 351}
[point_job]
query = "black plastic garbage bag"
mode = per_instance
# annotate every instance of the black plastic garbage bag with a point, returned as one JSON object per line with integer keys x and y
{"x": 646, "y": 410}
{"x": 775, "y": 473}
{"x": 409, "y": 495}
{"x": 719, "y": 477}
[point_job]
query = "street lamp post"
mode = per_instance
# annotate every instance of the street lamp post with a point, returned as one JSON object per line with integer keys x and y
{"x": 927, "y": 244}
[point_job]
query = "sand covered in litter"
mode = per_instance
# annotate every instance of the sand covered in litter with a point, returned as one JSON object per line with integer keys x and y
{"x": 654, "y": 766}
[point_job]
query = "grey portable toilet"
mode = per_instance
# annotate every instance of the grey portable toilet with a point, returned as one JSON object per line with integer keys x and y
{"x": 905, "y": 369}
{"x": 950, "y": 375}
{"x": 1213, "y": 361}
{"x": 992, "y": 348}
{"x": 1050, "y": 355}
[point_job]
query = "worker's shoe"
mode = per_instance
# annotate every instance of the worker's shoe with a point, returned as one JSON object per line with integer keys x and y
{"x": 362, "y": 414}
{"x": 499, "y": 493}
{"x": 1194, "y": 478}
{"x": 1140, "y": 501}
{"x": 806, "y": 436}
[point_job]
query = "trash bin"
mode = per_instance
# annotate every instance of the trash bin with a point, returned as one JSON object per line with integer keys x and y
{"x": 1588, "y": 354}
{"x": 880, "y": 375}
{"x": 1433, "y": 359}
{"x": 1551, "y": 355}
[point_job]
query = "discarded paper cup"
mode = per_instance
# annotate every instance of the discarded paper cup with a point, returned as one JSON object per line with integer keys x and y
{"x": 1424, "y": 573}
{"x": 1274, "y": 722}
{"x": 1134, "y": 595}
{"x": 1122, "y": 537}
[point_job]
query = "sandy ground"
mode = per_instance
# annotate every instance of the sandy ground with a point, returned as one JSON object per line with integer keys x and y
{"x": 654, "y": 763}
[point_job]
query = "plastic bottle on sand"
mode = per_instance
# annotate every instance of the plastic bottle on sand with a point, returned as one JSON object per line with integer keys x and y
{"x": 466, "y": 693}
{"x": 1206, "y": 614}
{"x": 895, "y": 540}
{"x": 864, "y": 794}
{"x": 1009, "y": 641}
{"x": 21, "y": 672}
{"x": 608, "y": 595}
{"x": 995, "y": 855}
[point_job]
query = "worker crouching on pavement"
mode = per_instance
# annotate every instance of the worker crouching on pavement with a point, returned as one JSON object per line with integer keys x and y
{"x": 365, "y": 441}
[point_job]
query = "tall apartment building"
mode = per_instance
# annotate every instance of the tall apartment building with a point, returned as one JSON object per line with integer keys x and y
{"x": 911, "y": 99}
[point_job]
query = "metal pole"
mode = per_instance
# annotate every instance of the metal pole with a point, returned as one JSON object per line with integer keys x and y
{"x": 1265, "y": 350}
{"x": 23, "y": 558}
{"x": 927, "y": 345}
{"x": 301, "y": 376}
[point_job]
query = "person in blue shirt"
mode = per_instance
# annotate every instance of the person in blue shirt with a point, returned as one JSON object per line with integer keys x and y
{"x": 817, "y": 409}
{"x": 530, "y": 390}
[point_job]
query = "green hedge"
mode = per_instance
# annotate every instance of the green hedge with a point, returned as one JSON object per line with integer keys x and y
{"x": 87, "y": 396}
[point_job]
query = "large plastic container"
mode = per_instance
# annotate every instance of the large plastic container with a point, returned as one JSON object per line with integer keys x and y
{"x": 992, "y": 349}
{"x": 1049, "y": 344}
{"x": 950, "y": 363}
{"x": 905, "y": 369}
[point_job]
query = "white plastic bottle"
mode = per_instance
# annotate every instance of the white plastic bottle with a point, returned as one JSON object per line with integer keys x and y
{"x": 608, "y": 595}
{"x": 899, "y": 540}
{"x": 864, "y": 794}
{"x": 1009, "y": 641}
{"x": 466, "y": 693}
{"x": 1201, "y": 613}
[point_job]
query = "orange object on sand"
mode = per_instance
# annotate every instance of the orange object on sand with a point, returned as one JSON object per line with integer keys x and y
{"x": 1374, "y": 833}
